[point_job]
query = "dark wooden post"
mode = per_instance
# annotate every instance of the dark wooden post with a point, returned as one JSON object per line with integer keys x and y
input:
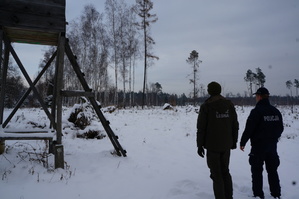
{"x": 1, "y": 76}
{"x": 2, "y": 142}
{"x": 4, "y": 68}
{"x": 58, "y": 85}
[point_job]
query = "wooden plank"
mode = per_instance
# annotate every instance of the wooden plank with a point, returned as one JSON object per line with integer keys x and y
{"x": 31, "y": 21}
{"x": 50, "y": 2}
{"x": 26, "y": 136}
{"x": 38, "y": 8}
{"x": 26, "y": 131}
{"x": 32, "y": 36}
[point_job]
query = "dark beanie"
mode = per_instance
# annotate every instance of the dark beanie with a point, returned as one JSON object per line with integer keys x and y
{"x": 214, "y": 88}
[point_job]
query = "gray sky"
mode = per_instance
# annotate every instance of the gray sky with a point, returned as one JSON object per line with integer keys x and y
{"x": 230, "y": 36}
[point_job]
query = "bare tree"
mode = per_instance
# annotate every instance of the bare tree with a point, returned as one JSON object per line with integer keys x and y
{"x": 289, "y": 85}
{"x": 88, "y": 39}
{"x": 194, "y": 61}
{"x": 14, "y": 88}
{"x": 296, "y": 85}
{"x": 134, "y": 54}
{"x": 123, "y": 32}
{"x": 143, "y": 9}
{"x": 112, "y": 11}
{"x": 125, "y": 51}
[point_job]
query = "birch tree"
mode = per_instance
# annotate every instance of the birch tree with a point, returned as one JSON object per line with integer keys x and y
{"x": 134, "y": 53}
{"x": 112, "y": 12}
{"x": 88, "y": 39}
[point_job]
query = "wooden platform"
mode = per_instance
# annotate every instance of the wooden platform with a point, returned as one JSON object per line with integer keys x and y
{"x": 26, "y": 134}
{"x": 33, "y": 21}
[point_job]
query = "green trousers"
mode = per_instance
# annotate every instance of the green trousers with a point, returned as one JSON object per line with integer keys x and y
{"x": 218, "y": 162}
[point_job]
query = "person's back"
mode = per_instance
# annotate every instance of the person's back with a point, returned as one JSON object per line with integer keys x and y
{"x": 263, "y": 127}
{"x": 217, "y": 131}
{"x": 264, "y": 124}
{"x": 222, "y": 127}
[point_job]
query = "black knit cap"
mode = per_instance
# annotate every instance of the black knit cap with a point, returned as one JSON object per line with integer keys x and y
{"x": 214, "y": 88}
{"x": 262, "y": 91}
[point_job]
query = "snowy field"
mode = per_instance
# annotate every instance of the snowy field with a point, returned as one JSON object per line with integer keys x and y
{"x": 161, "y": 161}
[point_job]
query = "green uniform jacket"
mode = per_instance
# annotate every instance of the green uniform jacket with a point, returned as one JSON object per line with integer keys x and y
{"x": 217, "y": 124}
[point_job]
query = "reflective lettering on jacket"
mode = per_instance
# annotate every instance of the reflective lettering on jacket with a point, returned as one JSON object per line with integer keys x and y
{"x": 271, "y": 118}
{"x": 222, "y": 115}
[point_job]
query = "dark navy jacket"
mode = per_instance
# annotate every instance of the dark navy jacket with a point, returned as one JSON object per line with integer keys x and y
{"x": 264, "y": 125}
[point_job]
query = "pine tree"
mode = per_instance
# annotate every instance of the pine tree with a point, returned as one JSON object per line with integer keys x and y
{"x": 194, "y": 62}
{"x": 143, "y": 9}
{"x": 260, "y": 77}
{"x": 250, "y": 77}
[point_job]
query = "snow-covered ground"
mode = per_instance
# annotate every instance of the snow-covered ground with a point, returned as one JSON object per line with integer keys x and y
{"x": 161, "y": 161}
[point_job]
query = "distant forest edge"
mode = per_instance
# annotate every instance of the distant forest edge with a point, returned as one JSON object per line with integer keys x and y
{"x": 135, "y": 99}
{"x": 15, "y": 89}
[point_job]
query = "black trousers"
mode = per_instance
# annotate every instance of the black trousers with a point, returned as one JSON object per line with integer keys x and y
{"x": 218, "y": 162}
{"x": 257, "y": 157}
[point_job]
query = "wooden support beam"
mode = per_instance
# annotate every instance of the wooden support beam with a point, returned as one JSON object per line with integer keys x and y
{"x": 23, "y": 70}
{"x": 58, "y": 85}
{"x": 20, "y": 131}
{"x": 22, "y": 99}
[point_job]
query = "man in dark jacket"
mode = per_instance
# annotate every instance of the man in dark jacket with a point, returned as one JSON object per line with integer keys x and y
{"x": 217, "y": 131}
{"x": 264, "y": 126}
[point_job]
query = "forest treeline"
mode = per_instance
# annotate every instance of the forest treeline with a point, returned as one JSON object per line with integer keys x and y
{"x": 15, "y": 89}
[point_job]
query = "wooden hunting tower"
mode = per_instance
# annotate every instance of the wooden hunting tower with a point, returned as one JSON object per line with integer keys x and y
{"x": 33, "y": 22}
{"x": 41, "y": 22}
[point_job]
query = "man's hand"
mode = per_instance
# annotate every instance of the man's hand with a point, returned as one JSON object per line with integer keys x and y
{"x": 242, "y": 148}
{"x": 201, "y": 151}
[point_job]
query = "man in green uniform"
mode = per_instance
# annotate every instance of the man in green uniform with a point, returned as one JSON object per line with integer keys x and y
{"x": 217, "y": 131}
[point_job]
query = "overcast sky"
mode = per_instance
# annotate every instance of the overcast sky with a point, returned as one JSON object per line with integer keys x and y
{"x": 230, "y": 36}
